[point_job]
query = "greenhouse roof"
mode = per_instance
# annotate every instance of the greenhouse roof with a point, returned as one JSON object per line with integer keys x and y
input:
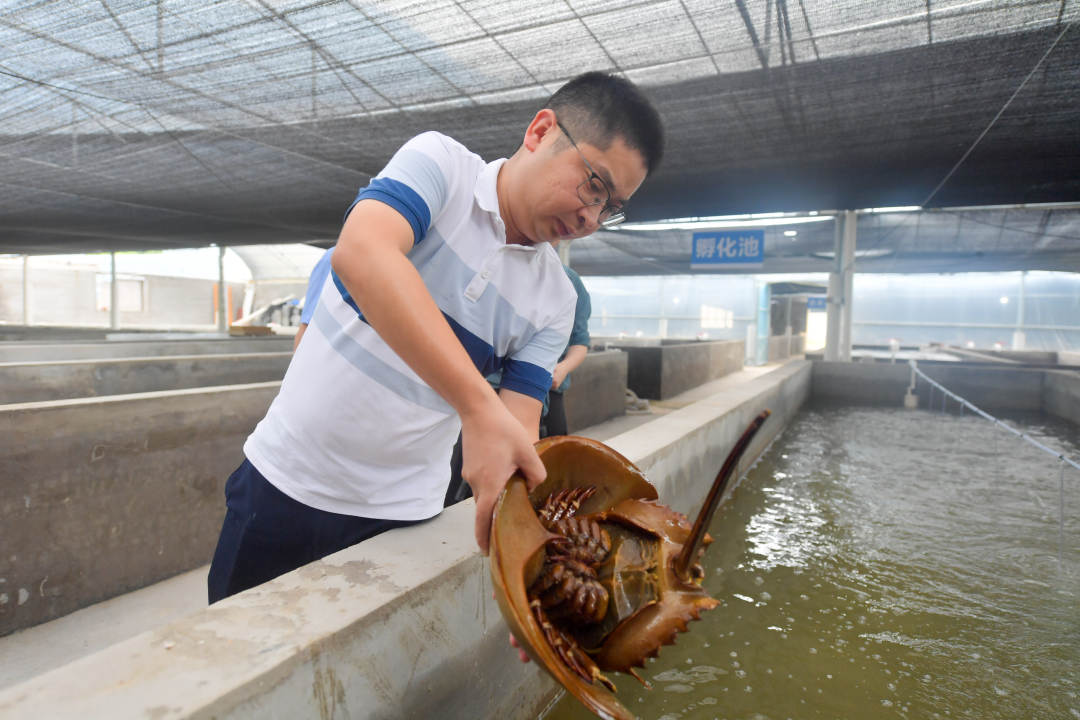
{"x": 127, "y": 124}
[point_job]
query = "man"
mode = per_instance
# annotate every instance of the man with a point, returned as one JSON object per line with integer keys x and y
{"x": 554, "y": 422}
{"x": 442, "y": 274}
{"x": 311, "y": 297}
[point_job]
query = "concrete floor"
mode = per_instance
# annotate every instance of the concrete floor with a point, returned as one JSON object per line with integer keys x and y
{"x": 31, "y": 652}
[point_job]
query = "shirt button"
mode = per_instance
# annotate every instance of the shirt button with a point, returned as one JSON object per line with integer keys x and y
{"x": 486, "y": 274}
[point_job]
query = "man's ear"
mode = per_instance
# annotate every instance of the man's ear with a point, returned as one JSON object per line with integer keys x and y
{"x": 543, "y": 124}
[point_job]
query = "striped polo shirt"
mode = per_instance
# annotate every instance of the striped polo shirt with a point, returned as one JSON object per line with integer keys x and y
{"x": 353, "y": 429}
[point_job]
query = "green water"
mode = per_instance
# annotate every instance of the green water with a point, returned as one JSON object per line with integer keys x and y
{"x": 883, "y": 563}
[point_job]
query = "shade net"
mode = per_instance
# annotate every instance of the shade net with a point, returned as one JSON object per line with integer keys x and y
{"x": 127, "y": 125}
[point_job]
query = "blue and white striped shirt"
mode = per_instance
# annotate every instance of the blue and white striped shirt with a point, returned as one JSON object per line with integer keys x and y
{"x": 353, "y": 429}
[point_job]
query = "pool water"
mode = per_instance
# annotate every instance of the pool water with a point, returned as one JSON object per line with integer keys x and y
{"x": 881, "y": 563}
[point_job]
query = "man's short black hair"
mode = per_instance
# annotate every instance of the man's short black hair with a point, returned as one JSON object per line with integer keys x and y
{"x": 597, "y": 108}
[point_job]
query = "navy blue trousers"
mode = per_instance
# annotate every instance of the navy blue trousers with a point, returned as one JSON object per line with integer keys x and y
{"x": 266, "y": 534}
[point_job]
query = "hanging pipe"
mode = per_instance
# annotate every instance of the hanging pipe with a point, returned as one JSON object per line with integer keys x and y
{"x": 911, "y": 399}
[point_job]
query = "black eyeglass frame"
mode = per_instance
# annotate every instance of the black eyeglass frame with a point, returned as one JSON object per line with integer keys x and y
{"x": 610, "y": 215}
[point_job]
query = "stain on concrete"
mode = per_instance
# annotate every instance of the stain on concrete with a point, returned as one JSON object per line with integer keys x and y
{"x": 357, "y": 573}
{"x": 205, "y": 486}
{"x": 223, "y": 636}
{"x": 329, "y": 694}
{"x": 117, "y": 450}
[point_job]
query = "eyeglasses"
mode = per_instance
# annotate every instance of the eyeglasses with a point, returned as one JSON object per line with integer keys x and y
{"x": 595, "y": 191}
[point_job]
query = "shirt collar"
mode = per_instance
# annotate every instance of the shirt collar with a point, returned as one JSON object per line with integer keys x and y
{"x": 487, "y": 197}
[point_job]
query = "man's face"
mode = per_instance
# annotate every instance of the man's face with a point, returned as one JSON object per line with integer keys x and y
{"x": 566, "y": 177}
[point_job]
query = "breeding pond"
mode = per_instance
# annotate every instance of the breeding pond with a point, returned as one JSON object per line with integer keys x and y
{"x": 885, "y": 563}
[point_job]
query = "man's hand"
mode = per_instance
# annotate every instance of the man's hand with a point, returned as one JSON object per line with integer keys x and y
{"x": 558, "y": 375}
{"x": 575, "y": 355}
{"x": 493, "y": 445}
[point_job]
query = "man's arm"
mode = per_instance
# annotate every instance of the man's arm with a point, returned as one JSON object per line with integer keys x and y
{"x": 526, "y": 409}
{"x": 370, "y": 259}
{"x": 575, "y": 355}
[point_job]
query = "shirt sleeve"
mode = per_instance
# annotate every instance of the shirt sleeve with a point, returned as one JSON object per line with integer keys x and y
{"x": 528, "y": 371}
{"x": 315, "y": 286}
{"x": 414, "y": 182}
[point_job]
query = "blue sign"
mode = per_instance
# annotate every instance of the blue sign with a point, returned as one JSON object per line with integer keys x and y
{"x": 815, "y": 302}
{"x": 728, "y": 248}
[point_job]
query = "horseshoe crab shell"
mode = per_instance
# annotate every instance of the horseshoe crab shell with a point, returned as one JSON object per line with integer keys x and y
{"x": 518, "y": 541}
{"x": 625, "y": 500}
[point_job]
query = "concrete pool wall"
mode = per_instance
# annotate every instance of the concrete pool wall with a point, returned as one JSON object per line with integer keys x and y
{"x": 65, "y": 379}
{"x": 402, "y": 625}
{"x": 660, "y": 369}
{"x": 1061, "y": 395}
{"x": 105, "y": 495}
{"x": 989, "y": 387}
{"x": 41, "y": 351}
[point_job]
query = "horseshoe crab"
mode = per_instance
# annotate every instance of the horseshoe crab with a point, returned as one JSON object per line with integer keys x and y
{"x": 591, "y": 572}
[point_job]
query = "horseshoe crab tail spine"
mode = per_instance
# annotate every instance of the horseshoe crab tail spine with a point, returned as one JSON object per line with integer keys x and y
{"x": 712, "y": 500}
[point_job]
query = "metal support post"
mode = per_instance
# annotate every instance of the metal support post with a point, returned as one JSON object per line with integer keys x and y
{"x": 222, "y": 320}
{"x": 848, "y": 275}
{"x": 764, "y": 331}
{"x": 834, "y": 301}
{"x": 114, "y": 294}
{"x": 1019, "y": 339}
{"x": 26, "y": 290}
{"x": 787, "y": 330}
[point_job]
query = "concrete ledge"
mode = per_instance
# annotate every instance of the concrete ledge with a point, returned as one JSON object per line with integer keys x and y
{"x": 664, "y": 370}
{"x": 597, "y": 390}
{"x": 1028, "y": 357}
{"x": 37, "y": 352}
{"x": 48, "y": 333}
{"x": 64, "y": 379}
{"x": 402, "y": 625}
{"x": 987, "y": 356}
{"x": 106, "y": 495}
{"x": 92, "y": 333}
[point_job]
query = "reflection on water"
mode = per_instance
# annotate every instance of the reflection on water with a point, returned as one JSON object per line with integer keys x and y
{"x": 885, "y": 564}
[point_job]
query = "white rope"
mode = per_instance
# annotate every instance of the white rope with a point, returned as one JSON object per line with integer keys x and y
{"x": 1061, "y": 456}
{"x": 1061, "y": 510}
